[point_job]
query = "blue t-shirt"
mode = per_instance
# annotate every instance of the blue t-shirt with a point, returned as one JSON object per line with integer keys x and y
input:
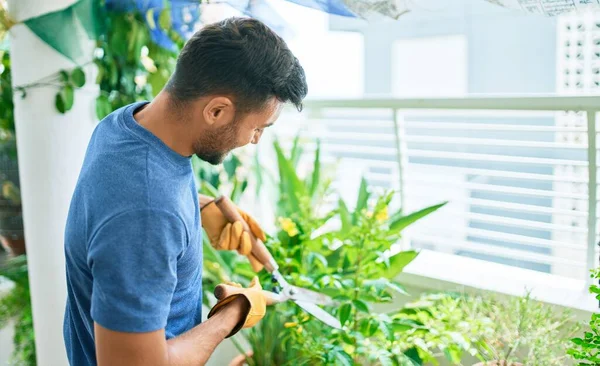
{"x": 133, "y": 241}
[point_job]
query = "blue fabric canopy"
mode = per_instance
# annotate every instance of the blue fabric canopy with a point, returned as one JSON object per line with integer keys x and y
{"x": 185, "y": 14}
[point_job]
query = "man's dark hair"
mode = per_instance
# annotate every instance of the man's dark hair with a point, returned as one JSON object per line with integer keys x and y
{"x": 240, "y": 57}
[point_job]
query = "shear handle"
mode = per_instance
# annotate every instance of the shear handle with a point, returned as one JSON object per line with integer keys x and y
{"x": 223, "y": 291}
{"x": 259, "y": 249}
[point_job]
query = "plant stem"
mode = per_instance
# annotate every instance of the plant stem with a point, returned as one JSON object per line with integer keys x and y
{"x": 356, "y": 292}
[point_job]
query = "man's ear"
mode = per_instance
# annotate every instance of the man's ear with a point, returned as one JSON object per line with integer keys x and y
{"x": 218, "y": 111}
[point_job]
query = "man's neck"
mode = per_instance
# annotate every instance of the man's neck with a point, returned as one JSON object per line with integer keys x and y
{"x": 157, "y": 118}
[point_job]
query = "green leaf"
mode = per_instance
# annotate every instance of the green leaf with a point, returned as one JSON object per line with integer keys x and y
{"x": 344, "y": 313}
{"x": 150, "y": 18}
{"x": 335, "y": 256}
{"x": 230, "y": 165}
{"x": 378, "y": 284}
{"x": 132, "y": 40}
{"x": 398, "y": 224}
{"x": 59, "y": 102}
{"x": 361, "y": 306}
{"x": 292, "y": 187}
{"x": 361, "y": 202}
{"x": 402, "y": 325}
{"x": 344, "y": 358}
{"x": 399, "y": 261}
{"x": 316, "y": 174}
{"x": 386, "y": 329}
{"x": 114, "y": 74}
{"x": 594, "y": 289}
{"x": 64, "y": 76}
{"x": 164, "y": 19}
{"x": 101, "y": 72}
{"x": 344, "y": 216}
{"x": 314, "y": 256}
{"x": 237, "y": 190}
{"x": 103, "y": 107}
{"x": 118, "y": 39}
{"x": 372, "y": 327}
{"x": 158, "y": 80}
{"x": 347, "y": 338}
{"x": 296, "y": 152}
{"x": 78, "y": 77}
{"x": 208, "y": 189}
{"x": 397, "y": 287}
{"x": 452, "y": 355}
{"x": 68, "y": 94}
{"x": 412, "y": 355}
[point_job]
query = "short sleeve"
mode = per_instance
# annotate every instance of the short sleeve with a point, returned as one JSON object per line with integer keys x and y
{"x": 133, "y": 261}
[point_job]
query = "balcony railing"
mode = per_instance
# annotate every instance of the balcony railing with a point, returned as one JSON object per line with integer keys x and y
{"x": 520, "y": 173}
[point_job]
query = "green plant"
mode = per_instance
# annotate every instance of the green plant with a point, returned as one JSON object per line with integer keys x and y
{"x": 131, "y": 67}
{"x": 518, "y": 329}
{"x": 586, "y": 349}
{"x": 444, "y": 325}
{"x": 350, "y": 261}
{"x": 16, "y": 306}
{"x": 7, "y": 120}
{"x": 526, "y": 331}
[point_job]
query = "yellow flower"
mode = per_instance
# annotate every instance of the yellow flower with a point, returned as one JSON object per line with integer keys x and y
{"x": 299, "y": 330}
{"x": 290, "y": 324}
{"x": 382, "y": 215}
{"x": 11, "y": 192}
{"x": 288, "y": 226}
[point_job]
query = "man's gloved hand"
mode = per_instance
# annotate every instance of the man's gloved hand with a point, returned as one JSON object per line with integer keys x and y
{"x": 253, "y": 313}
{"x": 224, "y": 235}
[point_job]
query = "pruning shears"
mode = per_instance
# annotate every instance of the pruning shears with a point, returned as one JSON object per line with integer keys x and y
{"x": 306, "y": 299}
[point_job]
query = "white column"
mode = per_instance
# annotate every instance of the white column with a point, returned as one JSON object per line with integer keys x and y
{"x": 51, "y": 147}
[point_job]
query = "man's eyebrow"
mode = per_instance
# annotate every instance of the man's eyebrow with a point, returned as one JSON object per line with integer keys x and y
{"x": 269, "y": 124}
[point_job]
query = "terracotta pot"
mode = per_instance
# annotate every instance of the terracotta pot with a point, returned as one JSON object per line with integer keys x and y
{"x": 14, "y": 247}
{"x": 498, "y": 363}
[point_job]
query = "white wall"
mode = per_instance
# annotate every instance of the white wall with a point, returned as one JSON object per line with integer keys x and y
{"x": 430, "y": 66}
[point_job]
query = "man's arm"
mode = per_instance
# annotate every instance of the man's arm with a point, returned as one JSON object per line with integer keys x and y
{"x": 152, "y": 349}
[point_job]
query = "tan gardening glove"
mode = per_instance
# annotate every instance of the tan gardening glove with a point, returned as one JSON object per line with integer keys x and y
{"x": 256, "y": 300}
{"x": 224, "y": 235}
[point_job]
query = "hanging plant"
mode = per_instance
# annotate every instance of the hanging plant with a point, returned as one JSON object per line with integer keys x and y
{"x": 70, "y": 81}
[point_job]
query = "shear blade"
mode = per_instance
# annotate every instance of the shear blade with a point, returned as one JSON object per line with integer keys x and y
{"x": 320, "y": 314}
{"x": 302, "y": 294}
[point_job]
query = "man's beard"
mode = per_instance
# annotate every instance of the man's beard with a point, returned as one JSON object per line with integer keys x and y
{"x": 214, "y": 146}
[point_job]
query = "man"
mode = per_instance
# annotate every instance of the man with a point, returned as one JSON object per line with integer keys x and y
{"x": 133, "y": 239}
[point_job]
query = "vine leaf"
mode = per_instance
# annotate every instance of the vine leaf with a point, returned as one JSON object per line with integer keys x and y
{"x": 78, "y": 77}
